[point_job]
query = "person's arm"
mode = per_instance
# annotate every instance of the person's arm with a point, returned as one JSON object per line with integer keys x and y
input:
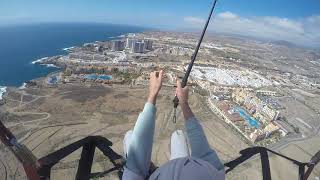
{"x": 139, "y": 153}
{"x": 199, "y": 144}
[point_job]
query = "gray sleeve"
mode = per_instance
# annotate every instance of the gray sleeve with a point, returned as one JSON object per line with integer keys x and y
{"x": 139, "y": 153}
{"x": 199, "y": 144}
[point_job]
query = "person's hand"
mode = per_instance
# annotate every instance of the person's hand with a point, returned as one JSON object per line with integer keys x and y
{"x": 182, "y": 94}
{"x": 155, "y": 84}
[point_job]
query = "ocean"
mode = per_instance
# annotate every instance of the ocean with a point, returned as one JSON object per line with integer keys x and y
{"x": 23, "y": 44}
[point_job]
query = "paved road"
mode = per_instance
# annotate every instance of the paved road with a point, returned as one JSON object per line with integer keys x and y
{"x": 285, "y": 142}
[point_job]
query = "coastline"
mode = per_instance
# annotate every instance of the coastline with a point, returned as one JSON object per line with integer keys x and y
{"x": 39, "y": 60}
{"x": 49, "y": 62}
{"x": 23, "y": 86}
{"x": 71, "y": 35}
{"x": 3, "y": 90}
{"x": 68, "y": 48}
{"x": 42, "y": 60}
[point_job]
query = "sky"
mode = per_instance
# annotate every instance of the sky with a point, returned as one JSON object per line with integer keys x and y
{"x": 297, "y": 21}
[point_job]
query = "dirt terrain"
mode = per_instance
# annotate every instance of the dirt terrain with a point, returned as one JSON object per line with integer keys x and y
{"x": 64, "y": 114}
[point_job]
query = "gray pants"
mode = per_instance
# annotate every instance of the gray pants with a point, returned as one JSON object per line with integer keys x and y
{"x": 179, "y": 146}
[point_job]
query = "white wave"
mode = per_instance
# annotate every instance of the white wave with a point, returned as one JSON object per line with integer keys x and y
{"x": 3, "y": 90}
{"x": 39, "y": 60}
{"x": 23, "y": 86}
{"x": 51, "y": 65}
{"x": 68, "y": 48}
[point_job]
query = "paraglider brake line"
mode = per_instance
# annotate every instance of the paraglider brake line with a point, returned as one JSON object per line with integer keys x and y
{"x": 193, "y": 58}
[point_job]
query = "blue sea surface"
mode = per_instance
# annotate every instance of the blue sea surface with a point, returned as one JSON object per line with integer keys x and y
{"x": 20, "y": 45}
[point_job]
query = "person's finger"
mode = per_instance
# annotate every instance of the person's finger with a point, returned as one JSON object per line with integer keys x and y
{"x": 185, "y": 88}
{"x": 160, "y": 74}
{"x": 178, "y": 84}
{"x": 186, "y": 91}
{"x": 156, "y": 74}
{"x": 176, "y": 93}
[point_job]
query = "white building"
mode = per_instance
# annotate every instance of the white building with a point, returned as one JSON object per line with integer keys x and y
{"x": 130, "y": 43}
{"x": 257, "y": 135}
{"x": 271, "y": 129}
{"x": 267, "y": 93}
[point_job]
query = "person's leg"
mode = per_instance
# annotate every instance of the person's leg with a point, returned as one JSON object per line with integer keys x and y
{"x": 199, "y": 144}
{"x": 179, "y": 147}
{"x": 126, "y": 143}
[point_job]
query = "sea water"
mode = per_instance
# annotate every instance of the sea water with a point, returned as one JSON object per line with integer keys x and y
{"x": 21, "y": 45}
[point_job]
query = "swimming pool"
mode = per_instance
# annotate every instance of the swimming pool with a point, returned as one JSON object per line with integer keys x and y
{"x": 251, "y": 121}
{"x": 105, "y": 77}
{"x": 95, "y": 77}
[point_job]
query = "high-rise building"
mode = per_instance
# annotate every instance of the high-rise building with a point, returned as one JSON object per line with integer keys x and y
{"x": 142, "y": 47}
{"x": 122, "y": 45}
{"x": 114, "y": 45}
{"x": 117, "y": 45}
{"x": 148, "y": 44}
{"x": 128, "y": 43}
{"x": 99, "y": 48}
{"x": 138, "y": 47}
{"x": 135, "y": 47}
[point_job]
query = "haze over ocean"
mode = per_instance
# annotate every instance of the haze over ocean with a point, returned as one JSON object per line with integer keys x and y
{"x": 20, "y": 45}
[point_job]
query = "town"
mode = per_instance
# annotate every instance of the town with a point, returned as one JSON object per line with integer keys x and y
{"x": 246, "y": 94}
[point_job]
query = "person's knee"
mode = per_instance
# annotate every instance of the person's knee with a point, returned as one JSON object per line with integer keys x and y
{"x": 128, "y": 134}
{"x": 127, "y": 142}
{"x": 177, "y": 133}
{"x": 179, "y": 147}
